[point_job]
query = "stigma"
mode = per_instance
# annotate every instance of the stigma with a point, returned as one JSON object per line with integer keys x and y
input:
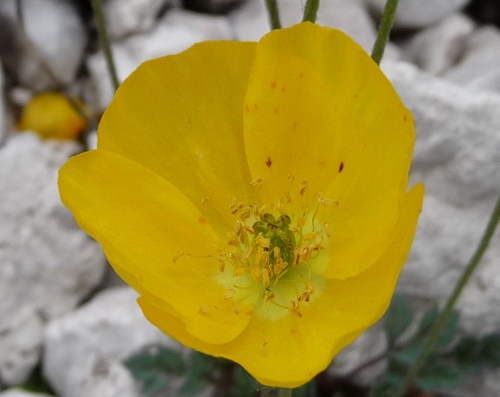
{"x": 271, "y": 256}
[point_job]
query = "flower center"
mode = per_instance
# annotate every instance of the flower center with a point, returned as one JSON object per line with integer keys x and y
{"x": 270, "y": 259}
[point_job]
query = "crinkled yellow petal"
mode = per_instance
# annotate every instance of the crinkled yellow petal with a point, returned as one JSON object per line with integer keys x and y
{"x": 181, "y": 117}
{"x": 154, "y": 237}
{"x": 291, "y": 350}
{"x": 321, "y": 119}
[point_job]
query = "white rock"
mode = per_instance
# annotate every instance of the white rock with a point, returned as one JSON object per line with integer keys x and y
{"x": 370, "y": 344}
{"x": 21, "y": 333}
{"x": 3, "y": 121}
{"x": 479, "y": 65}
{"x": 125, "y": 17}
{"x": 45, "y": 258}
{"x": 457, "y": 156}
{"x": 439, "y": 47}
{"x": 418, "y": 13}
{"x": 47, "y": 264}
{"x": 251, "y": 22}
{"x": 21, "y": 393}
{"x": 56, "y": 35}
{"x": 84, "y": 350}
{"x": 175, "y": 32}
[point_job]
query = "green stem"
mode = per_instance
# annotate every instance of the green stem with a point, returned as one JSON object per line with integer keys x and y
{"x": 384, "y": 30}
{"x": 310, "y": 11}
{"x": 285, "y": 392}
{"x": 445, "y": 314}
{"x": 104, "y": 41}
{"x": 274, "y": 15}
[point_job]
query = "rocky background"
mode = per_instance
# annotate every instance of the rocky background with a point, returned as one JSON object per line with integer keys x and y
{"x": 61, "y": 307}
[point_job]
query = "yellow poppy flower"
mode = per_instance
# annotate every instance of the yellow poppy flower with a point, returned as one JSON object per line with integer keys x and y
{"x": 254, "y": 194}
{"x": 50, "y": 115}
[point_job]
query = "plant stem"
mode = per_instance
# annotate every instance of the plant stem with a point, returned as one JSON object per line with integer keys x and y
{"x": 384, "y": 30}
{"x": 274, "y": 15}
{"x": 445, "y": 314}
{"x": 311, "y": 10}
{"x": 283, "y": 392}
{"x": 104, "y": 41}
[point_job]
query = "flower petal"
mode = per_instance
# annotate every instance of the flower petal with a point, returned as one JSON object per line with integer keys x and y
{"x": 319, "y": 111}
{"x": 291, "y": 350}
{"x": 181, "y": 117}
{"x": 156, "y": 240}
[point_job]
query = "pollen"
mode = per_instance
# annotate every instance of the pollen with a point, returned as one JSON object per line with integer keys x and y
{"x": 271, "y": 252}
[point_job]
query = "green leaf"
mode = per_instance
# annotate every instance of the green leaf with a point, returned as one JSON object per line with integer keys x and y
{"x": 397, "y": 318}
{"x": 154, "y": 366}
{"x": 244, "y": 385}
{"x": 408, "y": 355}
{"x": 429, "y": 318}
{"x": 170, "y": 360}
{"x": 467, "y": 355}
{"x": 385, "y": 388}
{"x": 193, "y": 385}
{"x": 449, "y": 331}
{"x": 307, "y": 390}
{"x": 201, "y": 364}
{"x": 439, "y": 376}
{"x": 490, "y": 350}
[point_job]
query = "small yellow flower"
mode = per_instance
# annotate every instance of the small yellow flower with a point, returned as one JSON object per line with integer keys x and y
{"x": 254, "y": 194}
{"x": 50, "y": 115}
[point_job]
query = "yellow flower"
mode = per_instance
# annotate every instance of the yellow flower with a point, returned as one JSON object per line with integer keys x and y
{"x": 50, "y": 115}
{"x": 254, "y": 194}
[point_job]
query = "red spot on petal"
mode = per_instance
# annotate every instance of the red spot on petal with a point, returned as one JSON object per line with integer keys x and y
{"x": 247, "y": 108}
{"x": 202, "y": 220}
{"x": 341, "y": 166}
{"x": 255, "y": 106}
{"x": 273, "y": 84}
{"x": 269, "y": 162}
{"x": 282, "y": 89}
{"x": 276, "y": 111}
{"x": 404, "y": 118}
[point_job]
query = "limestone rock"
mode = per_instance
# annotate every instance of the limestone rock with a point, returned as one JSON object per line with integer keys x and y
{"x": 175, "y": 32}
{"x": 50, "y": 51}
{"x": 439, "y": 47}
{"x": 457, "y": 157}
{"x": 21, "y": 393}
{"x": 84, "y": 350}
{"x": 478, "y": 68}
{"x": 419, "y": 13}
{"x": 125, "y": 17}
{"x": 47, "y": 264}
{"x": 251, "y": 22}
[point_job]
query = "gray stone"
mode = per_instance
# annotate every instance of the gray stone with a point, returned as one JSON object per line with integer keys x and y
{"x": 457, "y": 156}
{"x": 251, "y": 22}
{"x": 21, "y": 333}
{"x": 419, "y": 13}
{"x": 369, "y": 345}
{"x": 175, "y": 32}
{"x": 21, "y": 393}
{"x": 50, "y": 51}
{"x": 126, "y": 17}
{"x": 47, "y": 264}
{"x": 479, "y": 68}
{"x": 84, "y": 350}
{"x": 3, "y": 121}
{"x": 440, "y": 46}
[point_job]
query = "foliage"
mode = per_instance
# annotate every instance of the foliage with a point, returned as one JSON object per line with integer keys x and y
{"x": 454, "y": 356}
